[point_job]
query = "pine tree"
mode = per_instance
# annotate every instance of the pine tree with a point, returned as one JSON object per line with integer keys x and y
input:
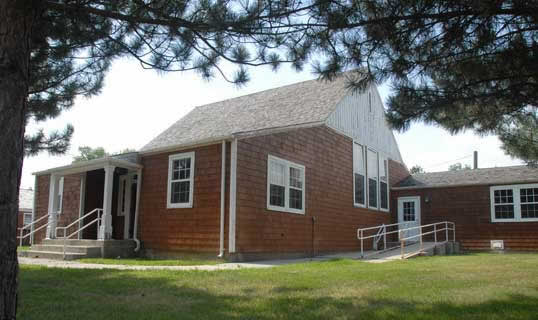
{"x": 458, "y": 64}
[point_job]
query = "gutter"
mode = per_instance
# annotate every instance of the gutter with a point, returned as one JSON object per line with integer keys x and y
{"x": 222, "y": 198}
{"x": 439, "y": 186}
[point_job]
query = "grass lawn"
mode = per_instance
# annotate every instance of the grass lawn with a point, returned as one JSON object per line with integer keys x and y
{"x": 478, "y": 286}
{"x": 152, "y": 262}
{"x": 23, "y": 248}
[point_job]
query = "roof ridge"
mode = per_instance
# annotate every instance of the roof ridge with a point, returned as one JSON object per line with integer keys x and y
{"x": 477, "y": 169}
{"x": 261, "y": 91}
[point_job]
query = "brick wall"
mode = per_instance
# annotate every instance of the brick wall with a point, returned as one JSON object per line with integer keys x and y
{"x": 469, "y": 208}
{"x": 182, "y": 229}
{"x": 328, "y": 158}
{"x": 70, "y": 202}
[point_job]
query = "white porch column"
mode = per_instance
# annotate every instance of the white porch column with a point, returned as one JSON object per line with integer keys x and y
{"x": 53, "y": 217}
{"x": 105, "y": 231}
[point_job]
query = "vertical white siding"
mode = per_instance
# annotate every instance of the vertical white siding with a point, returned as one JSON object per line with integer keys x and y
{"x": 354, "y": 118}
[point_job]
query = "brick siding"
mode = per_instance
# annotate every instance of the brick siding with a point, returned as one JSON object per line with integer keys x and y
{"x": 469, "y": 208}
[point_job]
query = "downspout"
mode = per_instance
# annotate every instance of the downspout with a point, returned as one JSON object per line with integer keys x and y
{"x": 232, "y": 210}
{"x": 222, "y": 198}
{"x": 138, "y": 187}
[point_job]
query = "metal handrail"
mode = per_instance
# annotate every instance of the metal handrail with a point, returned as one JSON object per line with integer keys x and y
{"x": 75, "y": 222}
{"x": 97, "y": 220}
{"x": 31, "y": 224}
{"x": 382, "y": 232}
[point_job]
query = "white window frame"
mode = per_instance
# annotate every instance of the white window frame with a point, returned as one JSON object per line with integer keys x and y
{"x": 58, "y": 197}
{"x": 287, "y": 164}
{"x": 171, "y": 159}
{"x": 380, "y": 159}
{"x": 364, "y": 174}
{"x": 24, "y": 214}
{"x": 516, "y": 188}
{"x": 368, "y": 178}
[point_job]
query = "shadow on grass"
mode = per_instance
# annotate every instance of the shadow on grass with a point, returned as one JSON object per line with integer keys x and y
{"x": 110, "y": 294}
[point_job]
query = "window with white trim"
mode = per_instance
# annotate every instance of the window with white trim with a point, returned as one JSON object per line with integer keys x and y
{"x": 180, "y": 180}
{"x": 373, "y": 172}
{"x": 285, "y": 185}
{"x": 359, "y": 175}
{"x": 383, "y": 183}
{"x": 58, "y": 196}
{"x": 514, "y": 203}
{"x": 27, "y": 219}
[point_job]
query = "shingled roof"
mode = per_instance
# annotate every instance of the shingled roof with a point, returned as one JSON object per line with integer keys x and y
{"x": 486, "y": 176}
{"x": 304, "y": 103}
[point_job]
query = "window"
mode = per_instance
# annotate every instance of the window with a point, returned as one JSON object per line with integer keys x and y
{"x": 373, "y": 168}
{"x": 359, "y": 175}
{"x": 122, "y": 195}
{"x": 285, "y": 185}
{"x": 408, "y": 211}
{"x": 514, "y": 203}
{"x": 383, "y": 184}
{"x": 57, "y": 199}
{"x": 180, "y": 180}
{"x": 27, "y": 219}
{"x": 529, "y": 203}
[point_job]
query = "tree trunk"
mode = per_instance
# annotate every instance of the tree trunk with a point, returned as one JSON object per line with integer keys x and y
{"x": 15, "y": 30}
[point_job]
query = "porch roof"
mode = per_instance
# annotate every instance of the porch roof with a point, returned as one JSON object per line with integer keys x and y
{"x": 90, "y": 165}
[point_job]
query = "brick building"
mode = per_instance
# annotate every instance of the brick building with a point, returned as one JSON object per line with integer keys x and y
{"x": 288, "y": 172}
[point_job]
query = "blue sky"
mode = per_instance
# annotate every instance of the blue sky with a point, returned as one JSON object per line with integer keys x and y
{"x": 136, "y": 105}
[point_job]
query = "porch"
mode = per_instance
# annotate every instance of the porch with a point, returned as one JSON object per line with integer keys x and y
{"x": 91, "y": 209}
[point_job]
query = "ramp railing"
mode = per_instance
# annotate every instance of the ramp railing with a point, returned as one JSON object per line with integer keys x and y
{"x": 406, "y": 233}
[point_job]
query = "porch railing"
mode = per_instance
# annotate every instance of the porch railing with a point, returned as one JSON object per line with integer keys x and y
{"x": 33, "y": 230}
{"x": 97, "y": 220}
{"x": 377, "y": 233}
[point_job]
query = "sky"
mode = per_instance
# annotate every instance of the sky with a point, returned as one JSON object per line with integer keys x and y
{"x": 136, "y": 105}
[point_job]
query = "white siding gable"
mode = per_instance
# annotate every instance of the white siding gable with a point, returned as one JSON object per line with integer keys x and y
{"x": 366, "y": 124}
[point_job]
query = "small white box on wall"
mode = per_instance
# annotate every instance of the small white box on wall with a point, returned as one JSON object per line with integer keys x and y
{"x": 497, "y": 244}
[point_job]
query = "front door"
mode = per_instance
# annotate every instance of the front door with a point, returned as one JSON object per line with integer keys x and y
{"x": 409, "y": 216}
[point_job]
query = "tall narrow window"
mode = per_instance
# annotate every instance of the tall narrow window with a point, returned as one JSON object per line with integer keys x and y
{"x": 359, "y": 176}
{"x": 58, "y": 196}
{"x": 373, "y": 164}
{"x": 277, "y": 183}
{"x": 285, "y": 185}
{"x": 383, "y": 183}
{"x": 180, "y": 180}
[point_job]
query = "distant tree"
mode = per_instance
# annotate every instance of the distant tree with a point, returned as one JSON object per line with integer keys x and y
{"x": 458, "y": 166}
{"x": 89, "y": 153}
{"x": 126, "y": 150}
{"x": 519, "y": 137}
{"x": 416, "y": 169}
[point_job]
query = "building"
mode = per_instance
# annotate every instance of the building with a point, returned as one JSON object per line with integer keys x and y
{"x": 287, "y": 172}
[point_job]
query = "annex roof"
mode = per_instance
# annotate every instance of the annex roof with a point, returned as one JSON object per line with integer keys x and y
{"x": 301, "y": 104}
{"x": 486, "y": 176}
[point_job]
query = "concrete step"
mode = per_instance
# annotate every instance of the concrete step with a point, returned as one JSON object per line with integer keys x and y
{"x": 73, "y": 242}
{"x": 88, "y": 250}
{"x": 51, "y": 255}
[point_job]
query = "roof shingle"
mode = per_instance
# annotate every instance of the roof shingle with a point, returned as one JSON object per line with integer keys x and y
{"x": 302, "y": 103}
{"x": 486, "y": 176}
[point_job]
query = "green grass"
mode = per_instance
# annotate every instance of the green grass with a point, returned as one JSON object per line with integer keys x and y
{"x": 152, "y": 262}
{"x": 23, "y": 248}
{"x": 478, "y": 286}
